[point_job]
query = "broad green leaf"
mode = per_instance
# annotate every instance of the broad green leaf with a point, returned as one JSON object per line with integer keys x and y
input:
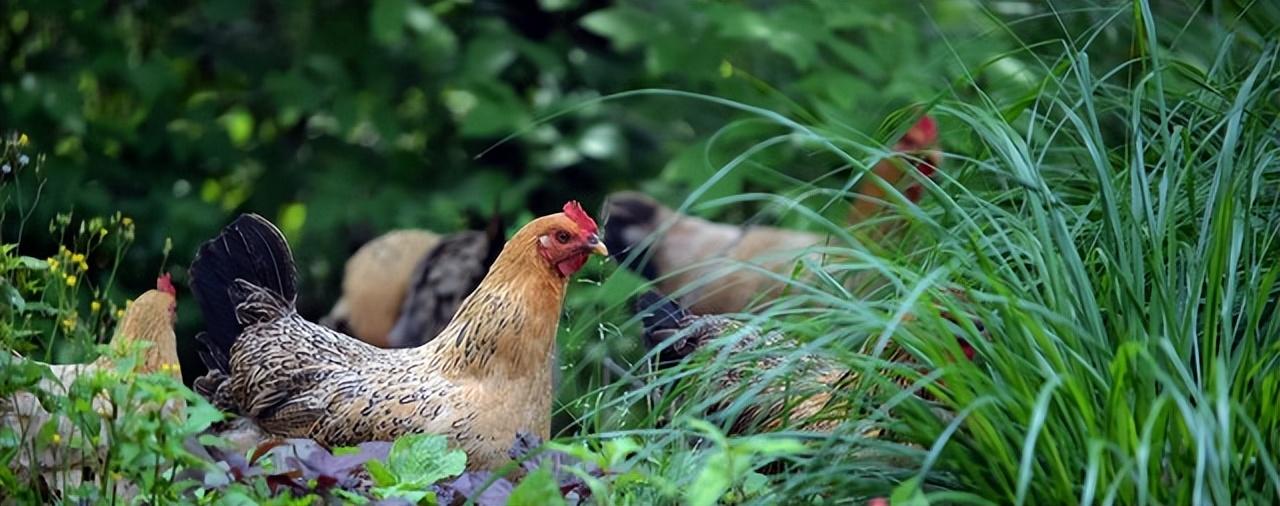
{"x": 537, "y": 489}
{"x": 424, "y": 459}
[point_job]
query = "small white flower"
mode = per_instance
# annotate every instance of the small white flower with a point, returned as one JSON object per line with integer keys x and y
{"x": 23, "y": 160}
{"x": 6, "y": 168}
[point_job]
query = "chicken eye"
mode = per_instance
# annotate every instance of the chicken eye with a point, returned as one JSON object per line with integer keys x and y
{"x": 562, "y": 236}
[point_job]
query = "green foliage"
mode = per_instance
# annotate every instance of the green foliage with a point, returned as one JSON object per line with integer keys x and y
{"x": 413, "y": 465}
{"x": 1107, "y": 213}
{"x": 731, "y": 464}
{"x": 538, "y": 488}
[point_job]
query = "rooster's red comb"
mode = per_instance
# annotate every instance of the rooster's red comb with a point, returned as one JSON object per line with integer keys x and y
{"x": 574, "y": 211}
{"x": 921, "y": 135}
{"x": 164, "y": 283}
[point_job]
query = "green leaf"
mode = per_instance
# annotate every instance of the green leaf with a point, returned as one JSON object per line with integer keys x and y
{"x": 382, "y": 476}
{"x": 713, "y": 482}
{"x": 238, "y": 123}
{"x": 754, "y": 483}
{"x": 200, "y": 415}
{"x": 908, "y": 493}
{"x": 292, "y": 218}
{"x": 423, "y": 459}
{"x": 31, "y": 263}
{"x": 623, "y": 26}
{"x": 537, "y": 489}
{"x": 558, "y": 5}
{"x": 386, "y": 20}
{"x": 11, "y": 296}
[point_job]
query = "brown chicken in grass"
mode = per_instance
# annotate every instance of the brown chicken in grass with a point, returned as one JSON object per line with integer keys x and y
{"x": 374, "y": 283}
{"x": 147, "y": 323}
{"x": 716, "y": 266}
{"x": 487, "y": 376}
{"x": 807, "y": 397}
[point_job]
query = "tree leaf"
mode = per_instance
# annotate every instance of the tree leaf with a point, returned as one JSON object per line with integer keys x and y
{"x": 386, "y": 20}
{"x": 623, "y": 26}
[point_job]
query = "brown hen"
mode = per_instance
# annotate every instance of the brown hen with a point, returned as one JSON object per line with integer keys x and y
{"x": 808, "y": 395}
{"x": 374, "y": 282}
{"x": 147, "y": 322}
{"x": 487, "y": 376}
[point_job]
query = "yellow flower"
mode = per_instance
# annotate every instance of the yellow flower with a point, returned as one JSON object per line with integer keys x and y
{"x": 69, "y": 323}
{"x": 102, "y": 232}
{"x": 95, "y": 306}
{"x": 62, "y": 248}
{"x": 119, "y": 314}
{"x": 57, "y": 438}
{"x": 23, "y": 140}
{"x": 77, "y": 258}
{"x": 71, "y": 280}
{"x": 164, "y": 368}
{"x": 53, "y": 264}
{"x": 84, "y": 266}
{"x": 127, "y": 221}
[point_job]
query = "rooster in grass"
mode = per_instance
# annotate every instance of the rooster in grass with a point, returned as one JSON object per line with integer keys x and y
{"x": 485, "y": 377}
{"x": 732, "y": 266}
{"x": 148, "y": 322}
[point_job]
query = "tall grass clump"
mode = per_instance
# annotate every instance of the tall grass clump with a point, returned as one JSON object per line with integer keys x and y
{"x": 1112, "y": 239}
{"x": 1126, "y": 274}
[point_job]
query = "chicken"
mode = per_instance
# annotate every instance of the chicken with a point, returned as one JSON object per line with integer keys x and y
{"x": 400, "y": 289}
{"x": 808, "y": 396}
{"x": 716, "y": 266}
{"x": 374, "y": 283}
{"x": 149, "y": 319}
{"x": 441, "y": 281}
{"x": 677, "y": 334}
{"x": 485, "y": 377}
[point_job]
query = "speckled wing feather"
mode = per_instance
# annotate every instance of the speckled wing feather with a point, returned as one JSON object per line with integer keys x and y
{"x": 441, "y": 281}
{"x": 681, "y": 333}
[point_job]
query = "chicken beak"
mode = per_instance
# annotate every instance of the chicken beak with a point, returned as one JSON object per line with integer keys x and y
{"x": 597, "y": 246}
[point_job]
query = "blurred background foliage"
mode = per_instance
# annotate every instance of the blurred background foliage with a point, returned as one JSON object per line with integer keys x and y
{"x": 341, "y": 120}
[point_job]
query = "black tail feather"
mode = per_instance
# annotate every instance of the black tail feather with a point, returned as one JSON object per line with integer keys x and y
{"x": 249, "y": 249}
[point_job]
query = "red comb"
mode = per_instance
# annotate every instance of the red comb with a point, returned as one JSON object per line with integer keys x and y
{"x": 574, "y": 211}
{"x": 921, "y": 135}
{"x": 164, "y": 283}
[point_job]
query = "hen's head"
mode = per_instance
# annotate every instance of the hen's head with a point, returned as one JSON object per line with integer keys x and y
{"x": 565, "y": 240}
{"x": 150, "y": 319}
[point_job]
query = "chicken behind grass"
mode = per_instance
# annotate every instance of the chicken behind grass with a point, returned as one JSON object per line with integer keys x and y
{"x": 724, "y": 268}
{"x": 148, "y": 322}
{"x": 808, "y": 395}
{"x": 487, "y": 376}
